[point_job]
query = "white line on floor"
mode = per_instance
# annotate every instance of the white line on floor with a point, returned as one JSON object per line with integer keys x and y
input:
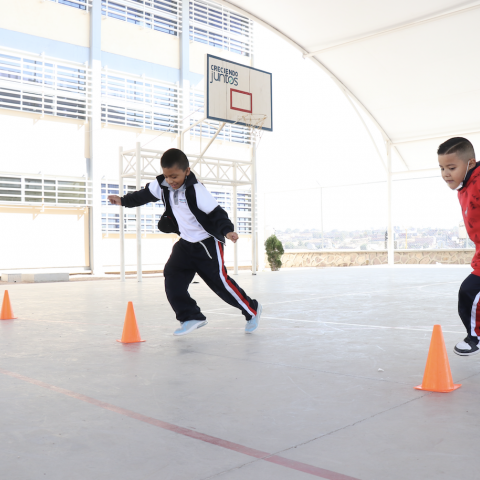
{"x": 340, "y": 324}
{"x": 350, "y": 294}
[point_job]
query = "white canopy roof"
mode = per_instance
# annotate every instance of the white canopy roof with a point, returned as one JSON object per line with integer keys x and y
{"x": 412, "y": 65}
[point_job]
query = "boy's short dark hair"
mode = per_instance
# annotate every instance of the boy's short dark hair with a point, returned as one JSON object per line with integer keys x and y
{"x": 174, "y": 157}
{"x": 459, "y": 145}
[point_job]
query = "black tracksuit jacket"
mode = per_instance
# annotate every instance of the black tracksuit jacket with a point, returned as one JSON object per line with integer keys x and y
{"x": 216, "y": 223}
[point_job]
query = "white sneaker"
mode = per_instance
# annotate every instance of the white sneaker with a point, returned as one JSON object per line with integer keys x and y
{"x": 466, "y": 348}
{"x": 189, "y": 326}
{"x": 252, "y": 324}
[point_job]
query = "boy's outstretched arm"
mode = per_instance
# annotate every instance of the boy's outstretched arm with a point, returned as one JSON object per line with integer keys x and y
{"x": 134, "y": 199}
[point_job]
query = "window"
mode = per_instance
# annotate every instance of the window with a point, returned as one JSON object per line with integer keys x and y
{"x": 135, "y": 101}
{"x": 80, "y": 4}
{"x": 41, "y": 85}
{"x": 38, "y": 190}
{"x": 244, "y": 225}
{"x": 161, "y": 15}
{"x": 10, "y": 189}
{"x": 212, "y": 24}
{"x": 149, "y": 222}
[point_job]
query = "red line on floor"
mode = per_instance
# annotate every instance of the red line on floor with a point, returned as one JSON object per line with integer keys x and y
{"x": 284, "y": 462}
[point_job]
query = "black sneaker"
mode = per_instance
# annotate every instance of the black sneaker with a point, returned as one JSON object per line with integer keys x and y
{"x": 467, "y": 347}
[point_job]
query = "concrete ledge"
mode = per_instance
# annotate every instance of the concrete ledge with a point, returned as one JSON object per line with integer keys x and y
{"x": 35, "y": 277}
{"x": 11, "y": 277}
{"x": 45, "y": 277}
{"x": 351, "y": 258}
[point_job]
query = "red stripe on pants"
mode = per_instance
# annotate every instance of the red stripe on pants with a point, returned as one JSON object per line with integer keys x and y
{"x": 224, "y": 272}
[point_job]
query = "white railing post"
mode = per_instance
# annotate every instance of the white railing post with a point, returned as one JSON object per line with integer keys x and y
{"x": 235, "y": 222}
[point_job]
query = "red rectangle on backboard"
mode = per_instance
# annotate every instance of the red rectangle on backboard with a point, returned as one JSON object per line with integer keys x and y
{"x": 238, "y": 107}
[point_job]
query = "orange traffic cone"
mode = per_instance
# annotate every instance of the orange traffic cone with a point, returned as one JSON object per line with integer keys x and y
{"x": 7, "y": 312}
{"x": 437, "y": 376}
{"x": 130, "y": 330}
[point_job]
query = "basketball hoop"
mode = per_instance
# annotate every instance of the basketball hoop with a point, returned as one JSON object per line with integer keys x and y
{"x": 254, "y": 122}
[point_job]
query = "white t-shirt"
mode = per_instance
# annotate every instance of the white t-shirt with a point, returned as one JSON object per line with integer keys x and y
{"x": 190, "y": 228}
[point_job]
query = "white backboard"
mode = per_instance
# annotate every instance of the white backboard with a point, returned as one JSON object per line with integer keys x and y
{"x": 233, "y": 91}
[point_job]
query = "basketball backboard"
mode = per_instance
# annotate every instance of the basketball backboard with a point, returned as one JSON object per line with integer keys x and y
{"x": 235, "y": 93}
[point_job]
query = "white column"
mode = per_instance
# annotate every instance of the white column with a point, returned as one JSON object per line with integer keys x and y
{"x": 254, "y": 207}
{"x": 122, "y": 217}
{"x": 321, "y": 216}
{"x": 138, "y": 166}
{"x": 184, "y": 46}
{"x": 390, "y": 244}
{"x": 95, "y": 127}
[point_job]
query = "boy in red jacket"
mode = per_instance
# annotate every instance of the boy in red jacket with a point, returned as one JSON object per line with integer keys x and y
{"x": 460, "y": 170}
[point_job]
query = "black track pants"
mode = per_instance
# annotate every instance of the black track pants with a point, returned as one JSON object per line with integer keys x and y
{"x": 206, "y": 259}
{"x": 468, "y": 307}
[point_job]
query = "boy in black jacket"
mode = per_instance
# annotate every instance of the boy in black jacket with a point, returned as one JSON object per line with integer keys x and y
{"x": 193, "y": 213}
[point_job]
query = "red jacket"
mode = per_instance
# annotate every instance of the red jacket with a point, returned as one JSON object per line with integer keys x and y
{"x": 469, "y": 197}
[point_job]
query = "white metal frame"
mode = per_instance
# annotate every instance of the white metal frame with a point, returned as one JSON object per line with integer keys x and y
{"x": 144, "y": 164}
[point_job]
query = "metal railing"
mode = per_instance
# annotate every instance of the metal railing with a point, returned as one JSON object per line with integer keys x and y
{"x": 138, "y": 101}
{"x": 217, "y": 26}
{"x": 28, "y": 189}
{"x": 43, "y": 85}
{"x": 161, "y": 15}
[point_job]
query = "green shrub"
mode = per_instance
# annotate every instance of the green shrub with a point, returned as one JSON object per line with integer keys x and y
{"x": 274, "y": 249}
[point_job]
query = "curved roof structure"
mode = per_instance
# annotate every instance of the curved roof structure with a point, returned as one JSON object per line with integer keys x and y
{"x": 412, "y": 66}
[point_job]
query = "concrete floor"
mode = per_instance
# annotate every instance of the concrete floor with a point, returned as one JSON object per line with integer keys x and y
{"x": 301, "y": 398}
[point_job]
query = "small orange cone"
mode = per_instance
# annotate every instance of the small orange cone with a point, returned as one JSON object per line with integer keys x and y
{"x": 130, "y": 330}
{"x": 437, "y": 376}
{"x": 7, "y": 312}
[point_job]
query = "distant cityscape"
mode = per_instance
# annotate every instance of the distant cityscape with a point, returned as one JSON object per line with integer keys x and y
{"x": 404, "y": 238}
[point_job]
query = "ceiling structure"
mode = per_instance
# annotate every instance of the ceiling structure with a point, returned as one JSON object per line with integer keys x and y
{"x": 411, "y": 66}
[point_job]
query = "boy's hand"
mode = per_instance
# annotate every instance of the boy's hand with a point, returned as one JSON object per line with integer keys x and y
{"x": 114, "y": 199}
{"x": 232, "y": 236}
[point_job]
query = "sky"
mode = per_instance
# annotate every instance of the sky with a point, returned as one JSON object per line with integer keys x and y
{"x": 319, "y": 141}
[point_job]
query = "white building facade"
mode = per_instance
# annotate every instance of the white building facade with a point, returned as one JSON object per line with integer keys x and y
{"x": 80, "y": 79}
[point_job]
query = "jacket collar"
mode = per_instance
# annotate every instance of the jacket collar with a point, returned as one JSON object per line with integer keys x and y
{"x": 469, "y": 174}
{"x": 189, "y": 181}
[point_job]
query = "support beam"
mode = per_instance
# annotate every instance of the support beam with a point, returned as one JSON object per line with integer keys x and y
{"x": 122, "y": 217}
{"x": 184, "y": 46}
{"x": 395, "y": 29}
{"x": 390, "y": 242}
{"x": 138, "y": 168}
{"x": 219, "y": 129}
{"x": 95, "y": 130}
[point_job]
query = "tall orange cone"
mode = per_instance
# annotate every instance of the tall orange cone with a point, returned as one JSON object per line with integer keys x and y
{"x": 437, "y": 376}
{"x": 130, "y": 330}
{"x": 7, "y": 312}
